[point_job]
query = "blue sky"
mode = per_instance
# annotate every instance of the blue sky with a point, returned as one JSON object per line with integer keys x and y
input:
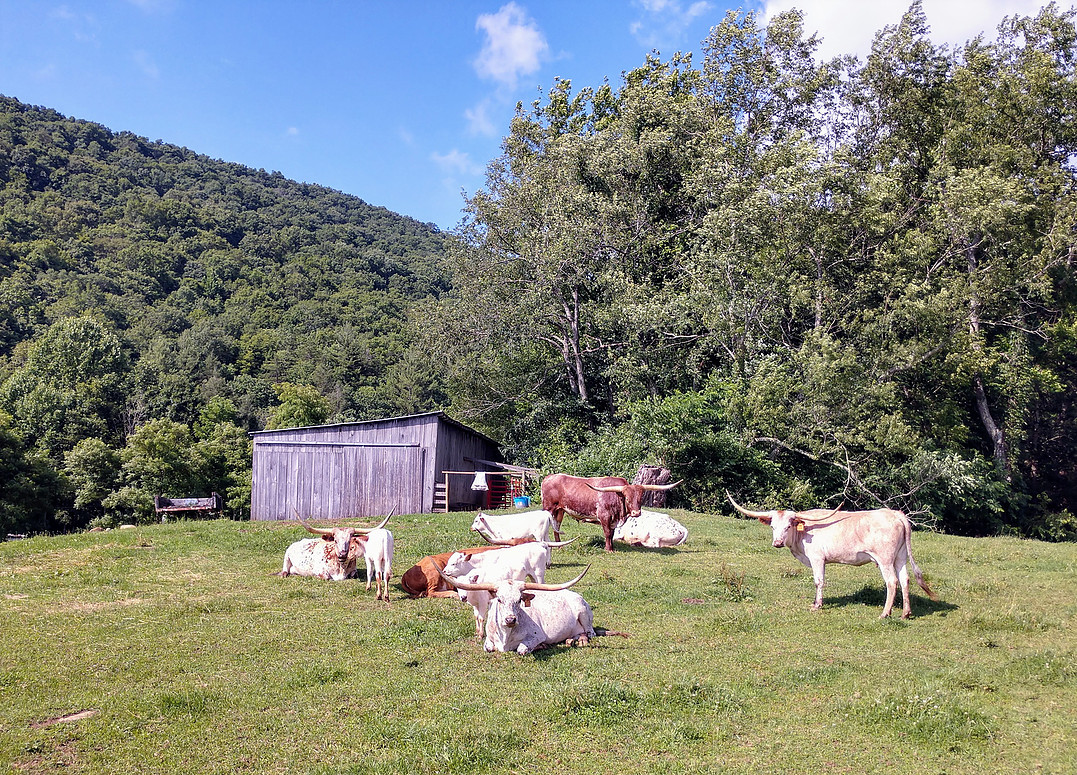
{"x": 401, "y": 103}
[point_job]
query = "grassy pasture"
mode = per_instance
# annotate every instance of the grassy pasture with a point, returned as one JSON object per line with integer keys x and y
{"x": 188, "y": 656}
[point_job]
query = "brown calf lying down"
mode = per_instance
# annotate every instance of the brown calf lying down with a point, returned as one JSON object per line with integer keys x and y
{"x": 423, "y": 580}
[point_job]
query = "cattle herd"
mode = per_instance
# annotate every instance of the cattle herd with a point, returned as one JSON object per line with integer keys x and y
{"x": 504, "y": 581}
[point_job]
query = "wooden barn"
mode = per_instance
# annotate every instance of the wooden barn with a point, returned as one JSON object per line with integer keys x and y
{"x": 416, "y": 464}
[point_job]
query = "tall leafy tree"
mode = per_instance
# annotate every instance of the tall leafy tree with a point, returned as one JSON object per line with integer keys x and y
{"x": 70, "y": 386}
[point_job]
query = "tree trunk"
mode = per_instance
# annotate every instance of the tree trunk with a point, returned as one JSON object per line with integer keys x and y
{"x": 649, "y": 474}
{"x": 570, "y": 344}
{"x": 983, "y": 407}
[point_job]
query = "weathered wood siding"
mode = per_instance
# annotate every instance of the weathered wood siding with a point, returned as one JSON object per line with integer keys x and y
{"x": 360, "y": 469}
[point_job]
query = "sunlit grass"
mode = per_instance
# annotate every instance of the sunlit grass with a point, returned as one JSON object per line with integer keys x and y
{"x": 189, "y": 655}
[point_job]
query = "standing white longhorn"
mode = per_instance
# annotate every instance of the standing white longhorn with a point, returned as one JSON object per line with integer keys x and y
{"x": 379, "y": 561}
{"x": 527, "y": 524}
{"x": 820, "y": 536}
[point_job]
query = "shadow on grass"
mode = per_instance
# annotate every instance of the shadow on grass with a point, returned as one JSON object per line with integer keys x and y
{"x": 871, "y": 595}
{"x": 598, "y": 543}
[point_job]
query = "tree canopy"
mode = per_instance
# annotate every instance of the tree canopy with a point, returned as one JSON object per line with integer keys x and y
{"x": 857, "y": 278}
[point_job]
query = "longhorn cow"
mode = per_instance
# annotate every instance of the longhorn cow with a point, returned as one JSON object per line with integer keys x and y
{"x": 652, "y": 529}
{"x": 422, "y": 579}
{"x": 332, "y": 556}
{"x": 820, "y": 536}
{"x": 605, "y": 500}
{"x": 524, "y": 617}
{"x": 527, "y": 524}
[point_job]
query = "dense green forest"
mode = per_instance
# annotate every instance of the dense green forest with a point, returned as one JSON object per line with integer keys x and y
{"x": 806, "y": 282}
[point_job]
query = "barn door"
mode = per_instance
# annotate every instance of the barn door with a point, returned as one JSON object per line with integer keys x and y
{"x": 379, "y": 479}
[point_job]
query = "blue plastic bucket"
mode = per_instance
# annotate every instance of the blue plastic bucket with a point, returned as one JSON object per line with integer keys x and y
{"x": 521, "y": 501}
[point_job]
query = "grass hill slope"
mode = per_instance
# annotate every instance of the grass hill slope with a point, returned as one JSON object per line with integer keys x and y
{"x": 183, "y": 653}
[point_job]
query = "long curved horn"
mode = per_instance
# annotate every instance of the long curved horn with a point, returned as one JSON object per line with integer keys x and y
{"x": 821, "y": 519}
{"x": 494, "y": 541}
{"x": 554, "y": 587}
{"x": 661, "y": 486}
{"x": 485, "y": 586}
{"x": 559, "y": 544}
{"x": 757, "y": 514}
{"x": 383, "y": 522}
{"x": 318, "y": 531}
{"x": 612, "y": 488}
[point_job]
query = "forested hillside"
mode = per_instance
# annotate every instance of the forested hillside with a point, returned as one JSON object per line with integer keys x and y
{"x": 156, "y": 304}
{"x": 809, "y": 283}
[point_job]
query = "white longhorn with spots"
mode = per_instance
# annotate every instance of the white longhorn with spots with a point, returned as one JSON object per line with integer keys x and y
{"x": 332, "y": 556}
{"x": 652, "y": 529}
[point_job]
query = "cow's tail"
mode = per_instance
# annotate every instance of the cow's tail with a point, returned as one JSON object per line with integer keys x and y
{"x": 916, "y": 568}
{"x": 603, "y": 631}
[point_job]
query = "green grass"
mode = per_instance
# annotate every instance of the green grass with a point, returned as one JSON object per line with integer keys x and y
{"x": 193, "y": 658}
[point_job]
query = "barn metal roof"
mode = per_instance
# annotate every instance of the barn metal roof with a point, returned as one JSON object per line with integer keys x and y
{"x": 440, "y": 415}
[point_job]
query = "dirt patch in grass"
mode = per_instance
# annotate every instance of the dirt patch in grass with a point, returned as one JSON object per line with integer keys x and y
{"x": 62, "y": 756}
{"x": 78, "y": 716}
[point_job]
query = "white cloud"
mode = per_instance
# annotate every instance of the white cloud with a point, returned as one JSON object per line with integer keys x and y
{"x": 456, "y": 162}
{"x": 292, "y": 131}
{"x": 154, "y": 6}
{"x": 46, "y": 72}
{"x": 479, "y": 121}
{"x": 514, "y": 45}
{"x": 146, "y": 64}
{"x": 849, "y": 26}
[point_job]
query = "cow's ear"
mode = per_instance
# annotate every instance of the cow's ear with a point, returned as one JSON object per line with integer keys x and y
{"x": 799, "y": 524}
{"x": 326, "y": 537}
{"x": 527, "y": 597}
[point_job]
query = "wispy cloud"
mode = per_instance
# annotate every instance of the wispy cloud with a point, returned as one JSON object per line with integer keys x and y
{"x": 83, "y": 26}
{"x": 154, "y": 6}
{"x": 146, "y": 64}
{"x": 665, "y": 22}
{"x": 479, "y": 121}
{"x": 456, "y": 162}
{"x": 514, "y": 45}
{"x": 292, "y": 131}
